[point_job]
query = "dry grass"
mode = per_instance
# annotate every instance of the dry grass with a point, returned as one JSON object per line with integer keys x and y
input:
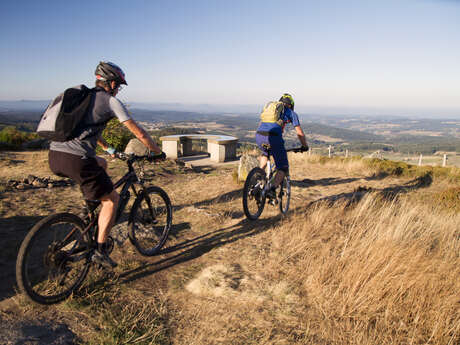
{"x": 375, "y": 272}
{"x": 381, "y": 273}
{"x": 19, "y": 164}
{"x": 110, "y": 314}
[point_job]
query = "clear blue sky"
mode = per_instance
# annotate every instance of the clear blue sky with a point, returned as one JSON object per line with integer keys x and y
{"x": 382, "y": 53}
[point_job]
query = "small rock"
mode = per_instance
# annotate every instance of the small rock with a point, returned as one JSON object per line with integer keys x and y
{"x": 31, "y": 178}
{"x": 50, "y": 185}
{"x": 38, "y": 183}
{"x": 136, "y": 147}
{"x": 179, "y": 163}
{"x": 21, "y": 186}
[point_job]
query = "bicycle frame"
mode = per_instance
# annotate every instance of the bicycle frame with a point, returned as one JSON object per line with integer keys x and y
{"x": 270, "y": 170}
{"x": 127, "y": 181}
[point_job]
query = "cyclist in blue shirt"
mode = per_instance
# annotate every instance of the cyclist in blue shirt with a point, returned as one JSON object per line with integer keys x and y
{"x": 271, "y": 134}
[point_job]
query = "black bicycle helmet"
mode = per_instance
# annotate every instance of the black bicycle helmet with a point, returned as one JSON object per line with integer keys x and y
{"x": 287, "y": 99}
{"x": 108, "y": 71}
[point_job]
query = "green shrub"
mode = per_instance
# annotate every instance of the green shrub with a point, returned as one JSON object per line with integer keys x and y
{"x": 11, "y": 137}
{"x": 117, "y": 135}
{"x": 388, "y": 167}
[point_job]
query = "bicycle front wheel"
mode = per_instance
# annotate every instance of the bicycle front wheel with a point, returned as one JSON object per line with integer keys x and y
{"x": 150, "y": 221}
{"x": 53, "y": 259}
{"x": 253, "y": 198}
{"x": 285, "y": 195}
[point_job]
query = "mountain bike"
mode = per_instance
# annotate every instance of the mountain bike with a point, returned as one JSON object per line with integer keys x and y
{"x": 258, "y": 184}
{"x": 55, "y": 256}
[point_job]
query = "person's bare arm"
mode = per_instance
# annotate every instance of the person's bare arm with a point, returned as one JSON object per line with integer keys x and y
{"x": 301, "y": 136}
{"x": 142, "y": 135}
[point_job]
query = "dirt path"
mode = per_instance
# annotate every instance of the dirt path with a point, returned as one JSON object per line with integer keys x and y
{"x": 209, "y": 229}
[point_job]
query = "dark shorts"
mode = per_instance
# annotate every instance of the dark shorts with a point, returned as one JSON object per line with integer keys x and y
{"x": 277, "y": 148}
{"x": 92, "y": 178}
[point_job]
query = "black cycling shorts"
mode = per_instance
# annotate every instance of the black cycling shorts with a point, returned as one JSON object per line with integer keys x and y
{"x": 92, "y": 178}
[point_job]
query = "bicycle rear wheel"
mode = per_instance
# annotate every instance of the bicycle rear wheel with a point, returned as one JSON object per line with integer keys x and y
{"x": 253, "y": 198}
{"x": 284, "y": 195}
{"x": 150, "y": 221}
{"x": 53, "y": 259}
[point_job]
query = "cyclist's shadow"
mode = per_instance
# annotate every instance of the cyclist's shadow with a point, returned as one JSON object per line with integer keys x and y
{"x": 193, "y": 248}
{"x": 196, "y": 247}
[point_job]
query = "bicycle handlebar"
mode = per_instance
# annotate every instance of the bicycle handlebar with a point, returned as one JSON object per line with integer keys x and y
{"x": 296, "y": 149}
{"x": 130, "y": 157}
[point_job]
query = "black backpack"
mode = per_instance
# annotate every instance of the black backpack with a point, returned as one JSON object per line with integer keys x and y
{"x": 61, "y": 118}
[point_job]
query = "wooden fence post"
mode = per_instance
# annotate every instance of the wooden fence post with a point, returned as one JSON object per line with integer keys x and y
{"x": 444, "y": 161}
{"x": 330, "y": 151}
{"x": 420, "y": 160}
{"x": 346, "y": 153}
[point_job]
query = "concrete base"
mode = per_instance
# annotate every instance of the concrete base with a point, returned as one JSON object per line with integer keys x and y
{"x": 221, "y": 153}
{"x": 220, "y": 148}
{"x": 171, "y": 148}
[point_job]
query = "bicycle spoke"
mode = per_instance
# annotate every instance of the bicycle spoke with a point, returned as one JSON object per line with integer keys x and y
{"x": 48, "y": 268}
{"x": 253, "y": 193}
{"x": 150, "y": 221}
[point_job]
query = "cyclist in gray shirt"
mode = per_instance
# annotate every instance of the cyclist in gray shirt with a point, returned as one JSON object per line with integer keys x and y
{"x": 77, "y": 158}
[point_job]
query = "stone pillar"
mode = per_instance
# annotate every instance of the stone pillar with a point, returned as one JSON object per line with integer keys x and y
{"x": 217, "y": 151}
{"x": 222, "y": 150}
{"x": 171, "y": 148}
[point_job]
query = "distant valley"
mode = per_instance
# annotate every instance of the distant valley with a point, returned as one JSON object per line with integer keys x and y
{"x": 344, "y": 132}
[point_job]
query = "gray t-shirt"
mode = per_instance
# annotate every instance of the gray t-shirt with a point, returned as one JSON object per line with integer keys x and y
{"x": 103, "y": 108}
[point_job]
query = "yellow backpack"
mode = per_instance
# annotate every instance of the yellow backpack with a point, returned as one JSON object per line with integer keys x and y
{"x": 272, "y": 113}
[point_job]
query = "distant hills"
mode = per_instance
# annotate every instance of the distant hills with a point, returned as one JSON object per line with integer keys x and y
{"x": 411, "y": 134}
{"x": 23, "y": 105}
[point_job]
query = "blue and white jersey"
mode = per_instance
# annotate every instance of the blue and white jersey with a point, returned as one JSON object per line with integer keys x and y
{"x": 288, "y": 116}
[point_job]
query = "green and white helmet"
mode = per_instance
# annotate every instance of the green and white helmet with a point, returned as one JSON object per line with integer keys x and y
{"x": 287, "y": 99}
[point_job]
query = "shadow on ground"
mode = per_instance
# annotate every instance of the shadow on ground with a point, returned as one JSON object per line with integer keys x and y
{"x": 12, "y": 232}
{"x": 388, "y": 193}
{"x": 194, "y": 248}
{"x": 331, "y": 181}
{"x": 191, "y": 249}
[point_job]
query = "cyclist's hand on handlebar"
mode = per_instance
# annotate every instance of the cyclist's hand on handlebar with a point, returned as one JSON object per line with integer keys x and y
{"x": 157, "y": 157}
{"x": 304, "y": 148}
{"x": 111, "y": 151}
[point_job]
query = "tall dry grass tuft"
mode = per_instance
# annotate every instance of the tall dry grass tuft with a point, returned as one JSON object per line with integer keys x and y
{"x": 109, "y": 316}
{"x": 376, "y": 166}
{"x": 379, "y": 273}
{"x": 349, "y": 165}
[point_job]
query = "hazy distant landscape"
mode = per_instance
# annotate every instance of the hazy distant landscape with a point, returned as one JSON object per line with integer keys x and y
{"x": 393, "y": 137}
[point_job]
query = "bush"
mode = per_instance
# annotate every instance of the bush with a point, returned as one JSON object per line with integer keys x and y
{"x": 11, "y": 137}
{"x": 117, "y": 135}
